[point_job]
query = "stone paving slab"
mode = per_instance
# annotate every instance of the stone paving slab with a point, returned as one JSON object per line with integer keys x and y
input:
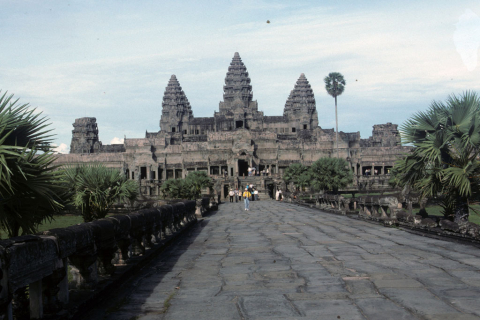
{"x": 281, "y": 261}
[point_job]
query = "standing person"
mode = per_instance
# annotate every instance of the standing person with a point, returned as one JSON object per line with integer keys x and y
{"x": 267, "y": 172}
{"x": 249, "y": 171}
{"x": 277, "y": 195}
{"x": 246, "y": 195}
{"x": 231, "y": 194}
{"x": 255, "y": 194}
{"x": 280, "y": 195}
{"x": 236, "y": 194}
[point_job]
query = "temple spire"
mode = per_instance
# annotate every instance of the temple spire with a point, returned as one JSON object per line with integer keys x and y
{"x": 301, "y": 103}
{"x": 237, "y": 83}
{"x": 176, "y": 109}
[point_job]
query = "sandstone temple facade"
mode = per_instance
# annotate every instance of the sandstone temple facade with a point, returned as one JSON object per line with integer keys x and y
{"x": 236, "y": 137}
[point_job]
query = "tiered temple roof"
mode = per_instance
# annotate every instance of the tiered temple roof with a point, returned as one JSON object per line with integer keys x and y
{"x": 301, "y": 98}
{"x": 175, "y": 104}
{"x": 237, "y": 82}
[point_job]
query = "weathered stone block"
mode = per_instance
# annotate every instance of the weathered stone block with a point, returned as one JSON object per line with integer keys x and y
{"x": 449, "y": 225}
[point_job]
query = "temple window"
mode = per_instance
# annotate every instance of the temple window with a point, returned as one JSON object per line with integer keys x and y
{"x": 173, "y": 129}
{"x": 294, "y": 130}
{"x": 304, "y": 126}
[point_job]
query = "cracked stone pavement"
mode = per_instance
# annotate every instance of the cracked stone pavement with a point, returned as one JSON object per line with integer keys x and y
{"x": 281, "y": 261}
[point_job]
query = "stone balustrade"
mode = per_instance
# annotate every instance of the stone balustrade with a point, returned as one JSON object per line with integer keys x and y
{"x": 34, "y": 268}
{"x": 378, "y": 206}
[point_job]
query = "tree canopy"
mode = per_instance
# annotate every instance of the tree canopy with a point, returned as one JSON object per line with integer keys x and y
{"x": 188, "y": 188}
{"x": 30, "y": 188}
{"x": 334, "y": 84}
{"x": 445, "y": 156}
{"x": 299, "y": 174}
{"x": 326, "y": 174}
{"x": 330, "y": 174}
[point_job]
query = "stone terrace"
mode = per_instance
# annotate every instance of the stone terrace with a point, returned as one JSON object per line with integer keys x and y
{"x": 281, "y": 261}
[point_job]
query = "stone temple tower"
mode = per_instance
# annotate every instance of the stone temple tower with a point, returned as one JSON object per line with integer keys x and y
{"x": 237, "y": 91}
{"x": 85, "y": 136}
{"x": 176, "y": 110}
{"x": 237, "y": 110}
{"x": 300, "y": 106}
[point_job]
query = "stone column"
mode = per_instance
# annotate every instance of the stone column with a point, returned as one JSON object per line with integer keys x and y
{"x": 63, "y": 293}
{"x": 35, "y": 293}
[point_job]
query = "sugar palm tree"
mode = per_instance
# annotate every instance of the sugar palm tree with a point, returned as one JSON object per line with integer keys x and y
{"x": 95, "y": 188}
{"x": 335, "y": 85}
{"x": 445, "y": 157}
{"x": 30, "y": 191}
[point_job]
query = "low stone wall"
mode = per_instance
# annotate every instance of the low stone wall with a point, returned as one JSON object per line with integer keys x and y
{"x": 34, "y": 268}
{"x": 432, "y": 224}
{"x": 389, "y": 210}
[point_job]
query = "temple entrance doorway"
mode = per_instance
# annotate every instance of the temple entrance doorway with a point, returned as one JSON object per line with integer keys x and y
{"x": 271, "y": 193}
{"x": 239, "y": 124}
{"x": 225, "y": 190}
{"x": 242, "y": 168}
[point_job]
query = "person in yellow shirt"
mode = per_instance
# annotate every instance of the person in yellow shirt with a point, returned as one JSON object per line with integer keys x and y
{"x": 246, "y": 196}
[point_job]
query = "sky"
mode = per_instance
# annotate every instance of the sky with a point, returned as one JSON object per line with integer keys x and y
{"x": 112, "y": 59}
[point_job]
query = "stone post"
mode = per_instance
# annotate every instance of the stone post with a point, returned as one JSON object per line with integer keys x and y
{"x": 63, "y": 294}
{"x": 35, "y": 293}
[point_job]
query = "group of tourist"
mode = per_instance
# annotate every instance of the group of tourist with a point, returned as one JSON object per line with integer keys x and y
{"x": 250, "y": 194}
{"x": 252, "y": 171}
{"x": 368, "y": 172}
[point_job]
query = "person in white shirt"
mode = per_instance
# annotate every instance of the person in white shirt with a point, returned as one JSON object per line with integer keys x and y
{"x": 255, "y": 194}
{"x": 231, "y": 194}
{"x": 249, "y": 171}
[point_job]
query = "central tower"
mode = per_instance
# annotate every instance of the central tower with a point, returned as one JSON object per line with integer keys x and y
{"x": 238, "y": 110}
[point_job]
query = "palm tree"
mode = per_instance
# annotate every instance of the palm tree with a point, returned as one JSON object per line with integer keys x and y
{"x": 335, "y": 85}
{"x": 330, "y": 174}
{"x": 95, "y": 188}
{"x": 30, "y": 191}
{"x": 445, "y": 156}
{"x": 196, "y": 181}
{"x": 298, "y": 173}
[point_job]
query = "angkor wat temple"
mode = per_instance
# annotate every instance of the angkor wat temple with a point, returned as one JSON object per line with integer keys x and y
{"x": 236, "y": 137}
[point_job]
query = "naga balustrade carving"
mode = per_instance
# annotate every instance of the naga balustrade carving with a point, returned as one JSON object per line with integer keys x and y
{"x": 41, "y": 262}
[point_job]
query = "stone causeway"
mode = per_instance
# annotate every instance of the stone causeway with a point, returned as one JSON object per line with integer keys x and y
{"x": 283, "y": 261}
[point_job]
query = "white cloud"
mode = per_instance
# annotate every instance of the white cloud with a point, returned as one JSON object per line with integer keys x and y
{"x": 62, "y": 148}
{"x": 467, "y": 38}
{"x": 116, "y": 141}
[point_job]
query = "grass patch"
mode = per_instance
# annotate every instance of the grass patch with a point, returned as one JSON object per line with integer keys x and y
{"x": 60, "y": 222}
{"x": 436, "y": 210}
{"x": 166, "y": 303}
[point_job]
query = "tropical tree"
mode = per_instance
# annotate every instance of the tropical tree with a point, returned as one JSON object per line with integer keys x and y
{"x": 175, "y": 189}
{"x": 298, "y": 174}
{"x": 95, "y": 188}
{"x": 331, "y": 174}
{"x": 188, "y": 188}
{"x": 30, "y": 191}
{"x": 196, "y": 181}
{"x": 445, "y": 156}
{"x": 335, "y": 85}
